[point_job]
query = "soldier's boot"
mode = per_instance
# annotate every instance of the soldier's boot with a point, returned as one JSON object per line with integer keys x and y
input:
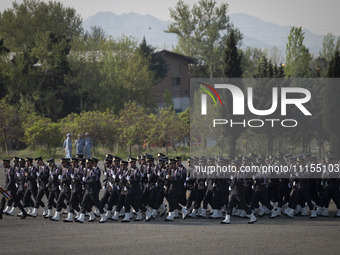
{"x": 56, "y": 216}
{"x": 275, "y": 213}
{"x": 297, "y": 209}
{"x": 252, "y": 218}
{"x": 337, "y": 214}
{"x": 148, "y": 215}
{"x": 199, "y": 211}
{"x": 193, "y": 213}
{"x": 325, "y": 212}
{"x": 92, "y": 217}
{"x": 266, "y": 210}
{"x": 304, "y": 211}
{"x": 103, "y": 218}
{"x": 170, "y": 217}
{"x": 96, "y": 212}
{"x": 243, "y": 214}
{"x": 138, "y": 216}
{"x": 67, "y": 210}
{"x": 115, "y": 216}
{"x": 11, "y": 212}
{"x": 313, "y": 214}
{"x": 20, "y": 214}
{"x": 234, "y": 212}
{"x": 30, "y": 210}
{"x": 127, "y": 217}
{"x": 69, "y": 218}
{"x": 260, "y": 211}
{"x": 203, "y": 214}
{"x": 215, "y": 214}
{"x": 81, "y": 218}
{"x": 290, "y": 212}
{"x": 226, "y": 219}
{"x": 162, "y": 210}
{"x": 45, "y": 211}
{"x": 176, "y": 213}
{"x": 49, "y": 214}
{"x": 7, "y": 209}
{"x": 154, "y": 213}
{"x": 24, "y": 215}
{"x": 122, "y": 212}
{"x": 131, "y": 214}
{"x": 184, "y": 212}
{"x": 34, "y": 213}
{"x": 108, "y": 214}
{"x": 319, "y": 210}
{"x": 238, "y": 212}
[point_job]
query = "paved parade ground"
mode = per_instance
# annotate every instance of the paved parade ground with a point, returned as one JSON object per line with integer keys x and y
{"x": 299, "y": 235}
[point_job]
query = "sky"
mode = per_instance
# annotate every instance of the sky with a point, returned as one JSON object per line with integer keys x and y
{"x": 318, "y": 16}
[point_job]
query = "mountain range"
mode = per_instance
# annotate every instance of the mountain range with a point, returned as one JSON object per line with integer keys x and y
{"x": 256, "y": 32}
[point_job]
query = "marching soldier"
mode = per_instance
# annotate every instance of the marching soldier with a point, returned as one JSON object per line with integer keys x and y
{"x": 43, "y": 174}
{"x": 31, "y": 182}
{"x": 10, "y": 186}
{"x": 53, "y": 186}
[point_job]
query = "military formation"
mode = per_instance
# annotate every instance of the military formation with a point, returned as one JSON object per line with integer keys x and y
{"x": 144, "y": 188}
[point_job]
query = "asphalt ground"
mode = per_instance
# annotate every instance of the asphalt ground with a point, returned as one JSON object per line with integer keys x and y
{"x": 282, "y": 235}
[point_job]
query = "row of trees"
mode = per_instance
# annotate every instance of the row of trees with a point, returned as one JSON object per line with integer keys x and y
{"x": 133, "y": 125}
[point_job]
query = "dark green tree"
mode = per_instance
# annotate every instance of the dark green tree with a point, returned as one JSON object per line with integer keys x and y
{"x": 232, "y": 58}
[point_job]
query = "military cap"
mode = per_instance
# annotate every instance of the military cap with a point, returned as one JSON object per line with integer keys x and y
{"x": 65, "y": 160}
{"x": 160, "y": 155}
{"x": 162, "y": 159}
{"x": 188, "y": 159}
{"x": 172, "y": 160}
{"x": 252, "y": 155}
{"x": 203, "y": 159}
{"x": 148, "y": 155}
{"x": 261, "y": 158}
{"x": 246, "y": 158}
{"x": 300, "y": 159}
{"x": 139, "y": 157}
{"x": 236, "y": 163}
{"x": 15, "y": 158}
{"x": 256, "y": 163}
{"x": 75, "y": 159}
{"x": 89, "y": 160}
{"x": 95, "y": 160}
{"x": 149, "y": 159}
{"x": 68, "y": 134}
{"x": 38, "y": 158}
{"x": 50, "y": 160}
{"x": 142, "y": 157}
{"x": 22, "y": 160}
{"x": 79, "y": 156}
{"x": 28, "y": 159}
{"x": 178, "y": 158}
{"x": 115, "y": 158}
{"x": 6, "y": 160}
{"x": 108, "y": 159}
{"x": 279, "y": 154}
{"x": 109, "y": 156}
{"x": 123, "y": 162}
{"x": 132, "y": 159}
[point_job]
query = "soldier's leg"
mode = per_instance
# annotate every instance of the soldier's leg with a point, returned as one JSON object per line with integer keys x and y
{"x": 255, "y": 200}
{"x": 38, "y": 201}
{"x": 97, "y": 203}
{"x": 112, "y": 200}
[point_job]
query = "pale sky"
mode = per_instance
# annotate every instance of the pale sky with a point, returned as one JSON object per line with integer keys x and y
{"x": 319, "y": 16}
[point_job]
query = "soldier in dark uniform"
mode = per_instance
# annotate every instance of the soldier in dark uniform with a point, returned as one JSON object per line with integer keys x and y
{"x": 120, "y": 183}
{"x": 302, "y": 190}
{"x": 15, "y": 161}
{"x": 133, "y": 194}
{"x": 76, "y": 192}
{"x": 91, "y": 192}
{"x": 31, "y": 182}
{"x": 53, "y": 186}
{"x": 191, "y": 184}
{"x": 20, "y": 183}
{"x": 238, "y": 196}
{"x": 10, "y": 186}
{"x": 65, "y": 180}
{"x": 174, "y": 181}
{"x": 152, "y": 171}
{"x": 43, "y": 173}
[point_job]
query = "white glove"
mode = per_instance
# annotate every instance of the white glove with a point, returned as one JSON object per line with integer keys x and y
{"x": 185, "y": 184}
{"x": 84, "y": 179}
{"x": 187, "y": 179}
{"x": 142, "y": 175}
{"x": 214, "y": 185}
{"x": 59, "y": 187}
{"x": 230, "y": 189}
{"x": 159, "y": 173}
{"x": 206, "y": 183}
{"x": 18, "y": 174}
{"x": 147, "y": 185}
{"x": 111, "y": 185}
{"x": 103, "y": 188}
{"x": 118, "y": 188}
{"x": 16, "y": 185}
{"x": 168, "y": 176}
{"x": 38, "y": 174}
{"x": 105, "y": 173}
{"x": 72, "y": 176}
{"x": 156, "y": 184}
{"x": 38, "y": 185}
{"x": 289, "y": 185}
{"x": 60, "y": 177}
{"x": 148, "y": 175}
{"x": 125, "y": 189}
{"x": 70, "y": 186}
{"x": 128, "y": 177}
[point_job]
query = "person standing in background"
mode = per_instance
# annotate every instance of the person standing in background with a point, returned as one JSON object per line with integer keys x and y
{"x": 80, "y": 145}
{"x": 68, "y": 146}
{"x": 88, "y": 146}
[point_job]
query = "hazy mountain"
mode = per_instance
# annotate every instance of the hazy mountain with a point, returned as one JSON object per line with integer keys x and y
{"x": 257, "y": 33}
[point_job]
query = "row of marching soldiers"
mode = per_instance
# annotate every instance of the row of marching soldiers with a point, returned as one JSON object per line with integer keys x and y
{"x": 142, "y": 184}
